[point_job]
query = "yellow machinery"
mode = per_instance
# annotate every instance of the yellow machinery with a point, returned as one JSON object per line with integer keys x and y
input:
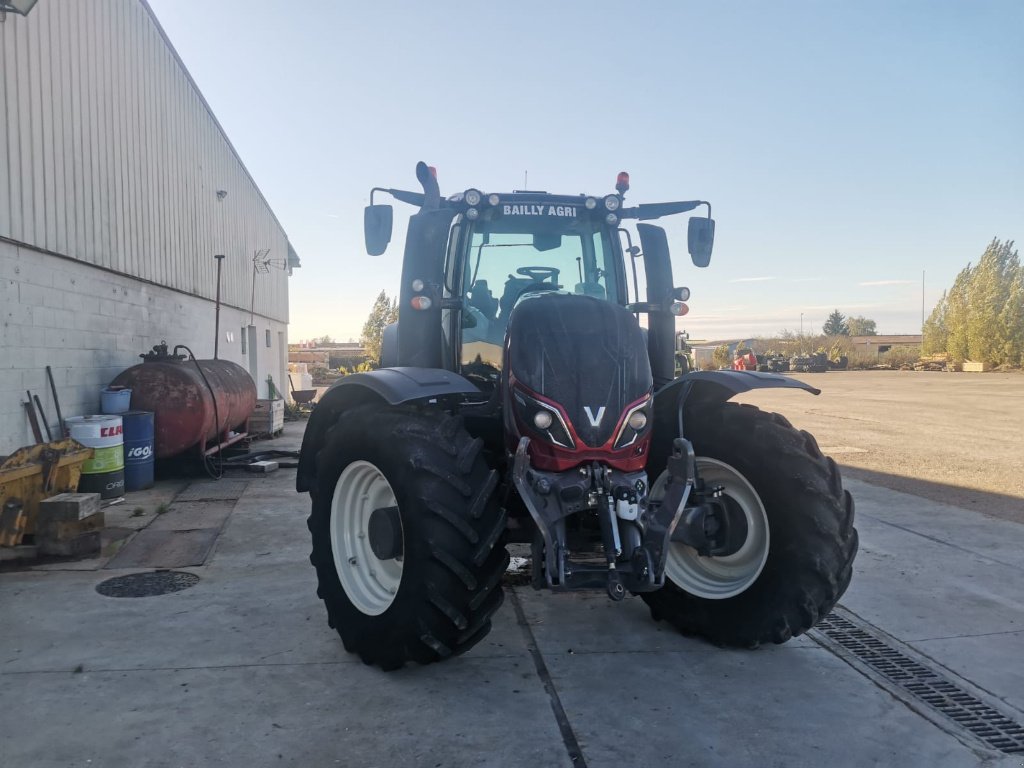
{"x": 32, "y": 474}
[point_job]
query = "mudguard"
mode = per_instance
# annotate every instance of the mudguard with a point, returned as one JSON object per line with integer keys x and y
{"x": 708, "y": 388}
{"x": 393, "y": 386}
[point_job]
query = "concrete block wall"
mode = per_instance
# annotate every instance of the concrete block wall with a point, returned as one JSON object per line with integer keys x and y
{"x": 88, "y": 325}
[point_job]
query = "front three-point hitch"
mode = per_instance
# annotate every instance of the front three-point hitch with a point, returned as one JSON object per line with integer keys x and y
{"x": 636, "y": 530}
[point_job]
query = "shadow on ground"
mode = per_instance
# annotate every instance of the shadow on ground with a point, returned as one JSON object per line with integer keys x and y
{"x": 997, "y": 505}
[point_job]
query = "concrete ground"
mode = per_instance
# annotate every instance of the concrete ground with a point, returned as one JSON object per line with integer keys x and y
{"x": 242, "y": 670}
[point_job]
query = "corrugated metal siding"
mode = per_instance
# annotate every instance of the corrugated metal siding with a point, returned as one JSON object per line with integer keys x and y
{"x": 109, "y": 155}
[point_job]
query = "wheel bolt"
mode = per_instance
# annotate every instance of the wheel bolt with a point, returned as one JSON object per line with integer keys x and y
{"x": 351, "y": 561}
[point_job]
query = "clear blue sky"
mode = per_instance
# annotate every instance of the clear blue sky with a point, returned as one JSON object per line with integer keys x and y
{"x": 845, "y": 147}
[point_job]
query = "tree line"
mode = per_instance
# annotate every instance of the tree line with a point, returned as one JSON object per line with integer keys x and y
{"x": 981, "y": 317}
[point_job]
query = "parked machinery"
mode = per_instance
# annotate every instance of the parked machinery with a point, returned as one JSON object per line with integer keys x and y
{"x": 520, "y": 400}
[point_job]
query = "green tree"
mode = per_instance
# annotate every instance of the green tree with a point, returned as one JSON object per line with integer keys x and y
{"x": 988, "y": 337}
{"x": 861, "y": 326}
{"x": 321, "y": 340}
{"x": 721, "y": 356}
{"x": 935, "y": 334}
{"x": 957, "y": 307}
{"x": 1012, "y": 318}
{"x": 383, "y": 313}
{"x": 836, "y": 325}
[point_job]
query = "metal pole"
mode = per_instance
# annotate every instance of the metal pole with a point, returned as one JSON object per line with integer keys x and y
{"x": 216, "y": 322}
{"x": 922, "y": 301}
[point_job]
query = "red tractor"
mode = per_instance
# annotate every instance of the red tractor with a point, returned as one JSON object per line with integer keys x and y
{"x": 521, "y": 401}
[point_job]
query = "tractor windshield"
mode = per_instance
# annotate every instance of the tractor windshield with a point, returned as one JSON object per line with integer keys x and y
{"x": 501, "y": 265}
{"x": 507, "y": 257}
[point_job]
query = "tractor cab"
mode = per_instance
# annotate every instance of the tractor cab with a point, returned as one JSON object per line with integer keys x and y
{"x": 497, "y": 249}
{"x": 531, "y": 244}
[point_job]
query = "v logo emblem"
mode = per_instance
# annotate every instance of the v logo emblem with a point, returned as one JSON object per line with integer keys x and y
{"x": 595, "y": 421}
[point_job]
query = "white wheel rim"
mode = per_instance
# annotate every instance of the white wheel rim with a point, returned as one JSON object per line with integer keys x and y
{"x": 718, "y": 578}
{"x": 369, "y": 582}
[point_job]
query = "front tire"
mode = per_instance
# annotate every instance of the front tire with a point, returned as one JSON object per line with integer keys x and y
{"x": 782, "y": 482}
{"x": 434, "y": 599}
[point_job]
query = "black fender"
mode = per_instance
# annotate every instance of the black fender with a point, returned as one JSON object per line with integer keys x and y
{"x": 700, "y": 389}
{"x": 393, "y": 386}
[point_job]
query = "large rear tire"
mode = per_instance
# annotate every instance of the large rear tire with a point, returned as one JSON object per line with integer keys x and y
{"x": 798, "y": 560}
{"x": 435, "y": 599}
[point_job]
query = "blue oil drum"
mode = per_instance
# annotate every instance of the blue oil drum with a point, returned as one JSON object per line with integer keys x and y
{"x": 138, "y": 450}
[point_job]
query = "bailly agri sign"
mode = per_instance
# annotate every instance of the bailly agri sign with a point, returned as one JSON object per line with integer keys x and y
{"x": 539, "y": 209}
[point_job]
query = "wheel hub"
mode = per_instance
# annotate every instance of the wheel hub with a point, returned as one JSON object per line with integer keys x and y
{"x": 735, "y": 566}
{"x": 385, "y": 533}
{"x": 363, "y": 499}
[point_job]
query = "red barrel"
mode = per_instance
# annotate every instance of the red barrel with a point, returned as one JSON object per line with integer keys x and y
{"x": 175, "y": 392}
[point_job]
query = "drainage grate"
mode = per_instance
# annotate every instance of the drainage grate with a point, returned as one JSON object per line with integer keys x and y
{"x": 927, "y": 685}
{"x": 220, "y": 490}
{"x": 147, "y": 584}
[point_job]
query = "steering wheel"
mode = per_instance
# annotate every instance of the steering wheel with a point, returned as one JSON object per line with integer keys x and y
{"x": 540, "y": 274}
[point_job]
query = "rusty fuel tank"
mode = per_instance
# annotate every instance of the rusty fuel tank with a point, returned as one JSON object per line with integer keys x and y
{"x": 171, "y": 386}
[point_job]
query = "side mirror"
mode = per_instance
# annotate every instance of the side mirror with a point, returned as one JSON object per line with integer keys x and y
{"x": 700, "y": 240}
{"x": 377, "y": 221}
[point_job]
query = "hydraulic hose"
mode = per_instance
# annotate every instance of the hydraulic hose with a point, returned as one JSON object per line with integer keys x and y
{"x": 214, "y": 471}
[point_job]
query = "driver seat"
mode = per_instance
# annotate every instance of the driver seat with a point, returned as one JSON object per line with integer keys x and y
{"x": 482, "y": 298}
{"x": 514, "y": 288}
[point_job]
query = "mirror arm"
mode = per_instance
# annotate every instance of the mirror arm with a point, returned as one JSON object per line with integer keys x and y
{"x": 401, "y": 195}
{"x": 649, "y": 211}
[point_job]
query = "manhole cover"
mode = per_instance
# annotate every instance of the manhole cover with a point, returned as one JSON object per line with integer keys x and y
{"x": 147, "y": 584}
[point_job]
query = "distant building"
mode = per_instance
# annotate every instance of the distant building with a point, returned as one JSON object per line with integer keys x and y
{"x": 117, "y": 188}
{"x": 879, "y": 345}
{"x": 337, "y": 354}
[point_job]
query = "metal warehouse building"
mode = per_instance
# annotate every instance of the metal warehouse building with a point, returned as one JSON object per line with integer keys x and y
{"x": 117, "y": 188}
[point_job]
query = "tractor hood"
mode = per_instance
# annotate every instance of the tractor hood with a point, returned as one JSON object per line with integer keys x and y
{"x": 587, "y": 358}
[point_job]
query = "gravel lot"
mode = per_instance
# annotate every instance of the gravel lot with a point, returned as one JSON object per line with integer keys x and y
{"x": 952, "y": 437}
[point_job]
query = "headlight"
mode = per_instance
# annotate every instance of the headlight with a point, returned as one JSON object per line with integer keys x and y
{"x": 612, "y": 202}
{"x": 590, "y": 203}
{"x": 543, "y": 418}
{"x": 493, "y": 199}
{"x": 633, "y": 426}
{"x": 472, "y": 196}
{"x": 472, "y": 214}
{"x": 637, "y": 420}
{"x": 612, "y": 219}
